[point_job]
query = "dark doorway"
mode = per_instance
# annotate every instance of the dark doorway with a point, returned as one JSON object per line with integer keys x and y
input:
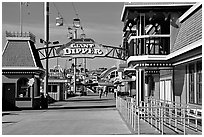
{"x": 8, "y": 96}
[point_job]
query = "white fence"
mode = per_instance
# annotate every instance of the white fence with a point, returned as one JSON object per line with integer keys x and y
{"x": 160, "y": 114}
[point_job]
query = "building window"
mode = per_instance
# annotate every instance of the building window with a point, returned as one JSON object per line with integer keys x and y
{"x": 199, "y": 83}
{"x": 52, "y": 88}
{"x": 195, "y": 83}
{"x": 23, "y": 89}
{"x": 191, "y": 83}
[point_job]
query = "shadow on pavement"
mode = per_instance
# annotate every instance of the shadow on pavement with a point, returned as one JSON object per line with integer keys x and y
{"x": 82, "y": 107}
{"x": 81, "y": 100}
{"x": 8, "y": 113}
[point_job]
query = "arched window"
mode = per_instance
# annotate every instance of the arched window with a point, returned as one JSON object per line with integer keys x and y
{"x": 23, "y": 89}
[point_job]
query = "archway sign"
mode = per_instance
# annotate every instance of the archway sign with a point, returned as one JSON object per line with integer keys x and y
{"x": 82, "y": 48}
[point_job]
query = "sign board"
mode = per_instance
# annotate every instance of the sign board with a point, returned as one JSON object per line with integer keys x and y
{"x": 31, "y": 82}
{"x": 82, "y": 48}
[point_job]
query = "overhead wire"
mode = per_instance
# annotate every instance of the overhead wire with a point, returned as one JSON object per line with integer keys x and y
{"x": 77, "y": 15}
{"x": 75, "y": 11}
{"x": 59, "y": 13}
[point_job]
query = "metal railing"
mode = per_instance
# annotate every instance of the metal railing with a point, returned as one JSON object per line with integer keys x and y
{"x": 21, "y": 34}
{"x": 161, "y": 114}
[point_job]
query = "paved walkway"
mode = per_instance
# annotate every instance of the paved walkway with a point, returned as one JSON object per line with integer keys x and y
{"x": 86, "y": 115}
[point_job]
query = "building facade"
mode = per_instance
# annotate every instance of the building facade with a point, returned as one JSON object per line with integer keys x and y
{"x": 22, "y": 72}
{"x": 57, "y": 84}
{"x": 164, "y": 50}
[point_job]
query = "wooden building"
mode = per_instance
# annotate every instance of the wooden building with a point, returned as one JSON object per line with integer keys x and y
{"x": 22, "y": 72}
{"x": 164, "y": 50}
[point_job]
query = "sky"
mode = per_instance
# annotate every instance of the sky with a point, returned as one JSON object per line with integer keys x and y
{"x": 100, "y": 20}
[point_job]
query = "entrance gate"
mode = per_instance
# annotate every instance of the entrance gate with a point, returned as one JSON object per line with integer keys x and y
{"x": 82, "y": 48}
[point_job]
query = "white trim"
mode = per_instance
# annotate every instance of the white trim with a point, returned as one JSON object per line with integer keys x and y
{"x": 57, "y": 81}
{"x": 193, "y": 8}
{"x": 32, "y": 53}
{"x": 187, "y": 60}
{"x": 18, "y": 38}
{"x": 147, "y": 36}
{"x": 129, "y": 69}
{"x": 146, "y": 57}
{"x": 152, "y": 5}
{"x": 5, "y": 47}
{"x": 22, "y": 68}
{"x": 122, "y": 14}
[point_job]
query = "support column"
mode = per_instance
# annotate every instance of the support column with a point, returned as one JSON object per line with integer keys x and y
{"x": 141, "y": 84}
{"x": 58, "y": 92}
{"x": 74, "y": 86}
{"x": 32, "y": 95}
{"x": 137, "y": 87}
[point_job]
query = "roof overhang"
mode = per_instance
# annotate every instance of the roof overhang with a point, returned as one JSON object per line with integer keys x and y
{"x": 191, "y": 10}
{"x": 23, "y": 71}
{"x": 22, "y": 68}
{"x": 146, "y": 58}
{"x": 144, "y": 5}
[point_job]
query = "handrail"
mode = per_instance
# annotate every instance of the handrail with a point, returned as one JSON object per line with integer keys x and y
{"x": 158, "y": 114}
{"x": 149, "y": 36}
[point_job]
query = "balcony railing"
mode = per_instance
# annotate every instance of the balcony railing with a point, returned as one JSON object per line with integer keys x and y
{"x": 149, "y": 45}
{"x": 165, "y": 116}
{"x": 20, "y": 35}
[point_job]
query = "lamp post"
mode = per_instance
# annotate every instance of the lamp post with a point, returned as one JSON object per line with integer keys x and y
{"x": 76, "y": 25}
{"x": 46, "y": 42}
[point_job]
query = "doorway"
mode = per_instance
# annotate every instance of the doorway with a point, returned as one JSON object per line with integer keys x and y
{"x": 8, "y": 96}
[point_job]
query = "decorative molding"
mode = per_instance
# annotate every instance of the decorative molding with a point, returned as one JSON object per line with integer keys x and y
{"x": 187, "y": 13}
{"x": 32, "y": 53}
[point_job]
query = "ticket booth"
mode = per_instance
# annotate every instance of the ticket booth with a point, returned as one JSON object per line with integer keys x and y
{"x": 22, "y": 72}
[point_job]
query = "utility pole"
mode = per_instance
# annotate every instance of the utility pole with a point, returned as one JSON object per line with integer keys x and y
{"x": 21, "y": 19}
{"x": 46, "y": 15}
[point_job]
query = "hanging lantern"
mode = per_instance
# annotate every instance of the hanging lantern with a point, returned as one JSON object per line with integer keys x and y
{"x": 76, "y": 23}
{"x": 59, "y": 21}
